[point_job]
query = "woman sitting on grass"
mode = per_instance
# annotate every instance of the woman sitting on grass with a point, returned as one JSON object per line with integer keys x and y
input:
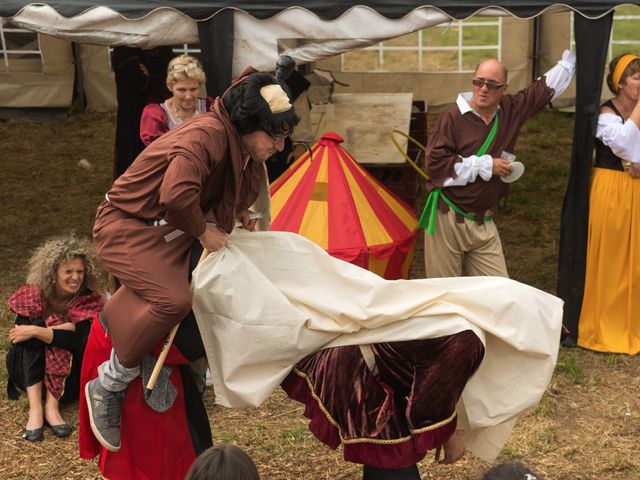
{"x": 54, "y": 313}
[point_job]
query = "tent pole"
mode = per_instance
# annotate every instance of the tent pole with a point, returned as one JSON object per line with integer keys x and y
{"x": 79, "y": 101}
{"x": 592, "y": 41}
{"x": 535, "y": 70}
{"x": 216, "y": 43}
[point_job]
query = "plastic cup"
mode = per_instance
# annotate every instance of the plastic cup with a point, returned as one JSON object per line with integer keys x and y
{"x": 510, "y": 157}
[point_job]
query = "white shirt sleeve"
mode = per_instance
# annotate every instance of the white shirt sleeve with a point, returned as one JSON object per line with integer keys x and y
{"x": 559, "y": 77}
{"x": 468, "y": 170}
{"x": 623, "y": 138}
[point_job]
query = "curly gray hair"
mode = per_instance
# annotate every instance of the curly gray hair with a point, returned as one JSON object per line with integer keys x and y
{"x": 43, "y": 264}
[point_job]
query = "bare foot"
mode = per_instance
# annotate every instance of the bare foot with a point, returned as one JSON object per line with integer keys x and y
{"x": 35, "y": 419}
{"x": 52, "y": 414}
{"x": 453, "y": 449}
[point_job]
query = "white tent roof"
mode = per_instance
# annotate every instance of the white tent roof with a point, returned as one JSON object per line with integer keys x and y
{"x": 257, "y": 41}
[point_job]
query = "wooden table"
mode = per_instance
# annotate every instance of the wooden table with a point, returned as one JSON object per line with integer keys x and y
{"x": 365, "y": 121}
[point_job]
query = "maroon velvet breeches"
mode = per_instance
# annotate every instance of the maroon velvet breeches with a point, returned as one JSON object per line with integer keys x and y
{"x": 391, "y": 419}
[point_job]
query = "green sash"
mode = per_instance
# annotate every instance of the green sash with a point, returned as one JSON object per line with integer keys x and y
{"x": 487, "y": 141}
{"x": 428, "y": 217}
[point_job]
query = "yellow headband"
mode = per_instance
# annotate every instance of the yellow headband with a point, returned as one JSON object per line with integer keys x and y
{"x": 621, "y": 66}
{"x": 276, "y": 97}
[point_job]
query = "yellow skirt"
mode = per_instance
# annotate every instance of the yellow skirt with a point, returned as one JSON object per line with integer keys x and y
{"x": 610, "y": 317}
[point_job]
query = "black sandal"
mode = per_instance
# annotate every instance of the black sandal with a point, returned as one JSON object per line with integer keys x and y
{"x": 35, "y": 435}
{"x": 62, "y": 430}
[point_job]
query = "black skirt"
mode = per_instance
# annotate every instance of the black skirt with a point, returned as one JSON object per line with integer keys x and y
{"x": 25, "y": 361}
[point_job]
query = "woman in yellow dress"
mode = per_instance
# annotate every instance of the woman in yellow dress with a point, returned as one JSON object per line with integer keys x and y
{"x": 610, "y": 317}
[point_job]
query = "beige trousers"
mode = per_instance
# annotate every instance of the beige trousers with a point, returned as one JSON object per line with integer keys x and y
{"x": 458, "y": 249}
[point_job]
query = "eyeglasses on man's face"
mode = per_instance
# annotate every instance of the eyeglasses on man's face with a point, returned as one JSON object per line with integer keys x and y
{"x": 276, "y": 137}
{"x": 491, "y": 85}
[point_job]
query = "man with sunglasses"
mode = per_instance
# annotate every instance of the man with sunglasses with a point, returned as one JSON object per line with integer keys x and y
{"x": 465, "y": 168}
{"x": 191, "y": 184}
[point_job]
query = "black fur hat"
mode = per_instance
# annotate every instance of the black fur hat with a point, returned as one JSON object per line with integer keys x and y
{"x": 250, "y": 111}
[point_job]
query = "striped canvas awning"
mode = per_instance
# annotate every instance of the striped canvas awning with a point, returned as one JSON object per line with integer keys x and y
{"x": 334, "y": 202}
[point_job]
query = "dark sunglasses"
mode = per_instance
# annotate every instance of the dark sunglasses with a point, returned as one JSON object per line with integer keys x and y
{"x": 491, "y": 85}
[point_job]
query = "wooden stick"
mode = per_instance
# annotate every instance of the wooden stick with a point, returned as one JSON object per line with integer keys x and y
{"x": 165, "y": 348}
{"x": 160, "y": 362}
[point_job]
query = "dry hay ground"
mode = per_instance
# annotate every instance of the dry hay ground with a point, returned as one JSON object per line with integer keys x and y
{"x": 586, "y": 426}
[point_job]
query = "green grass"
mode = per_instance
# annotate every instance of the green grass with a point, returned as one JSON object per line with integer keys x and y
{"x": 298, "y": 434}
{"x": 613, "y": 360}
{"x": 228, "y": 437}
{"x": 440, "y": 36}
{"x": 410, "y": 40}
{"x": 571, "y": 368}
{"x": 440, "y": 61}
{"x": 360, "y": 61}
{"x": 477, "y": 35}
{"x": 626, "y": 29}
{"x": 628, "y": 10}
{"x": 546, "y": 408}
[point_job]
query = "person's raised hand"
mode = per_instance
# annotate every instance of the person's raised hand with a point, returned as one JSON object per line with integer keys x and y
{"x": 501, "y": 167}
{"x": 298, "y": 150}
{"x": 213, "y": 239}
{"x": 247, "y": 222}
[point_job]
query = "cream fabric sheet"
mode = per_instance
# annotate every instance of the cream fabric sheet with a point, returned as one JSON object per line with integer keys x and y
{"x": 271, "y": 298}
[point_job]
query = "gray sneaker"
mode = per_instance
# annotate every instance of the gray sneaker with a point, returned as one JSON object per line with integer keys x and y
{"x": 104, "y": 413}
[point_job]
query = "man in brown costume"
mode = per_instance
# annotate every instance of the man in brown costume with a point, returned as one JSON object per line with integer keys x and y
{"x": 192, "y": 183}
{"x": 465, "y": 166}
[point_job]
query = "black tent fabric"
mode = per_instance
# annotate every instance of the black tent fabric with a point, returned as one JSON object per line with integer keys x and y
{"x": 216, "y": 45}
{"x": 592, "y": 37}
{"x": 325, "y": 9}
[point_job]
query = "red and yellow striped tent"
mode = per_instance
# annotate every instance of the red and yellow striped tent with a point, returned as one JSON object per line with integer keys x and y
{"x": 331, "y": 200}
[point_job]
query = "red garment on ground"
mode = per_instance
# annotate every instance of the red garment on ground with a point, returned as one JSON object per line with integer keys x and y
{"x": 154, "y": 445}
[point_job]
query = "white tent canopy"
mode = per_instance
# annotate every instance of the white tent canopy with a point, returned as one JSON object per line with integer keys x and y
{"x": 257, "y": 42}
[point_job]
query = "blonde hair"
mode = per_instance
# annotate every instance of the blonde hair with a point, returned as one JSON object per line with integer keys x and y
{"x": 44, "y": 263}
{"x": 184, "y": 67}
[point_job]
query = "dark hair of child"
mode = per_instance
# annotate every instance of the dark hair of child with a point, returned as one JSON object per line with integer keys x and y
{"x": 223, "y": 462}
